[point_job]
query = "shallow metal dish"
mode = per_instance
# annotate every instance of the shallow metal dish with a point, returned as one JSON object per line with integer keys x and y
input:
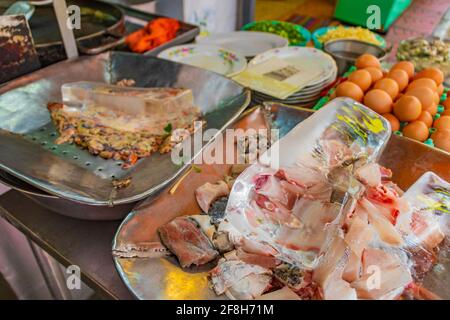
{"x": 162, "y": 278}
{"x": 29, "y": 153}
{"x": 346, "y": 51}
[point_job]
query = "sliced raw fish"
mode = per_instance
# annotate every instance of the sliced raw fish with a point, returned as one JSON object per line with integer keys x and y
{"x": 369, "y": 174}
{"x": 264, "y": 261}
{"x": 249, "y": 287}
{"x": 185, "y": 239}
{"x": 227, "y": 273}
{"x": 384, "y": 275}
{"x": 385, "y": 229}
{"x": 209, "y": 192}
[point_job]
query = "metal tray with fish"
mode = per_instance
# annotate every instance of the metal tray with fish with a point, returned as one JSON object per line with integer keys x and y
{"x": 27, "y": 138}
{"x": 150, "y": 273}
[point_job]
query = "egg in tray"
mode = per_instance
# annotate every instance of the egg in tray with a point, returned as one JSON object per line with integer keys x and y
{"x": 415, "y": 103}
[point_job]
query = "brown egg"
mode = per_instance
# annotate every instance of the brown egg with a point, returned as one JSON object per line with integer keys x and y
{"x": 416, "y": 130}
{"x": 432, "y": 73}
{"x": 425, "y": 95}
{"x": 362, "y": 78}
{"x": 367, "y": 60}
{"x": 442, "y": 123}
{"x": 388, "y": 85}
{"x": 432, "y": 109}
{"x": 446, "y": 103}
{"x": 441, "y": 139}
{"x": 424, "y": 82}
{"x": 378, "y": 100}
{"x": 436, "y": 98}
{"x": 426, "y": 118}
{"x": 440, "y": 90}
{"x": 351, "y": 90}
{"x": 375, "y": 73}
{"x": 400, "y": 76}
{"x": 406, "y": 66}
{"x": 407, "y": 108}
{"x": 395, "y": 124}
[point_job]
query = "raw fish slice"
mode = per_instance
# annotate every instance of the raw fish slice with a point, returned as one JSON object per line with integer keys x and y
{"x": 329, "y": 272}
{"x": 208, "y": 193}
{"x": 301, "y": 176}
{"x": 386, "y": 199}
{"x": 357, "y": 238}
{"x": 227, "y": 273}
{"x": 384, "y": 276}
{"x": 310, "y": 235}
{"x": 249, "y": 287}
{"x": 269, "y": 186}
{"x": 264, "y": 261}
{"x": 184, "y": 238}
{"x": 281, "y": 294}
{"x": 385, "y": 230}
{"x": 335, "y": 257}
{"x": 369, "y": 174}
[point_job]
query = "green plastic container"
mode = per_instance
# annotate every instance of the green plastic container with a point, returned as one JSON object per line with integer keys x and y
{"x": 355, "y": 11}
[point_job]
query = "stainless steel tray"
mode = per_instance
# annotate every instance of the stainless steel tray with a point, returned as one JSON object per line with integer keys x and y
{"x": 162, "y": 278}
{"x": 27, "y": 148}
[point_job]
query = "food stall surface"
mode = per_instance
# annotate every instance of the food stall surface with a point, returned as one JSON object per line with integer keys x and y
{"x": 86, "y": 244}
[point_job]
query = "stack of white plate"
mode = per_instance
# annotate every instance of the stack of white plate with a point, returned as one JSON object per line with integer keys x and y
{"x": 299, "y": 56}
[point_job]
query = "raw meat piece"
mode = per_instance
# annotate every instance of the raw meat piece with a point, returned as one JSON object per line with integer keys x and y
{"x": 384, "y": 275}
{"x": 264, "y": 261}
{"x": 184, "y": 238}
{"x": 208, "y": 193}
{"x": 386, "y": 231}
{"x": 369, "y": 174}
{"x": 229, "y": 272}
{"x": 249, "y": 287}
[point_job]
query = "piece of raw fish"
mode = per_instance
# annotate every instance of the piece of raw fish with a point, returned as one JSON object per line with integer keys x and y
{"x": 249, "y": 287}
{"x": 185, "y": 239}
{"x": 209, "y": 192}
{"x": 228, "y": 273}
{"x": 384, "y": 275}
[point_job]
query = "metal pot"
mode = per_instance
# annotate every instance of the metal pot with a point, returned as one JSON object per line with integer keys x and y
{"x": 346, "y": 51}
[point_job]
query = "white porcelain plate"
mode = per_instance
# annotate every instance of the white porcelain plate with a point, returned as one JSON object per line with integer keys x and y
{"x": 247, "y": 43}
{"x": 208, "y": 57}
{"x": 302, "y": 57}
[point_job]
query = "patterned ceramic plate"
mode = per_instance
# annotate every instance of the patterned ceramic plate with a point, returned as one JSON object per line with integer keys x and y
{"x": 302, "y": 56}
{"x": 208, "y": 57}
{"x": 248, "y": 43}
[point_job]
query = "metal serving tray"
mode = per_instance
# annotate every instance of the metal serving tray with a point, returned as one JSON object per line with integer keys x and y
{"x": 162, "y": 277}
{"x": 27, "y": 148}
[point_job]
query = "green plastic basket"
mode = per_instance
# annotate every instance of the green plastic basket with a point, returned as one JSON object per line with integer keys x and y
{"x": 355, "y": 11}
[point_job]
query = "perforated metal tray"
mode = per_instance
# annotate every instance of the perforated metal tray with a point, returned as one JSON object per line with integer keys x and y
{"x": 27, "y": 148}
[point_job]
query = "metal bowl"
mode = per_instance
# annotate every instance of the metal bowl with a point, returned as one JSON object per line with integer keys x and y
{"x": 346, "y": 51}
